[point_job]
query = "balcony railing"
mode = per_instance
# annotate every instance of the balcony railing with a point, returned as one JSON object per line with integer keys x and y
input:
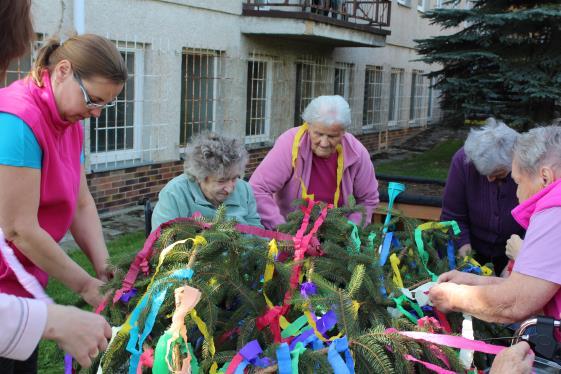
{"x": 372, "y": 13}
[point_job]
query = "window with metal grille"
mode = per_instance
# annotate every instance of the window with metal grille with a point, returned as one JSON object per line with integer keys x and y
{"x": 313, "y": 78}
{"x": 258, "y": 100}
{"x": 115, "y": 135}
{"x": 199, "y": 92}
{"x": 372, "y": 109}
{"x": 343, "y": 80}
{"x": 416, "y": 99}
{"x": 396, "y": 95}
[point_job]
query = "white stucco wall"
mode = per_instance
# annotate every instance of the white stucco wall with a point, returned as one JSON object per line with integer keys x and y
{"x": 165, "y": 28}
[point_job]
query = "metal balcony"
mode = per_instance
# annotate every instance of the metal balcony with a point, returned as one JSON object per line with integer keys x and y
{"x": 336, "y": 22}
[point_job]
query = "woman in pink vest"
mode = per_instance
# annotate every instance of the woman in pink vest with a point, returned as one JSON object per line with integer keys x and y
{"x": 318, "y": 158}
{"x": 43, "y": 189}
{"x": 534, "y": 287}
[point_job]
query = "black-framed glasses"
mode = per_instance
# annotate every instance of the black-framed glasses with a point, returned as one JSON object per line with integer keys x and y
{"x": 89, "y": 103}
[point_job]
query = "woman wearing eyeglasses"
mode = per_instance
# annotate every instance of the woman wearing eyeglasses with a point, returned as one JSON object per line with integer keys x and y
{"x": 43, "y": 188}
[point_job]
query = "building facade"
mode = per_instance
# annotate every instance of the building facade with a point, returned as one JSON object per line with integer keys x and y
{"x": 245, "y": 68}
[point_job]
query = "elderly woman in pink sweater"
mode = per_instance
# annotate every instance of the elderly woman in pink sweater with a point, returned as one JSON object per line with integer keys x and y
{"x": 318, "y": 159}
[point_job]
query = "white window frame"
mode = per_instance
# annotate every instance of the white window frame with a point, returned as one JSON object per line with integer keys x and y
{"x": 97, "y": 158}
{"x": 347, "y": 68}
{"x": 379, "y": 87}
{"x": 268, "y": 100}
{"x": 398, "y": 94}
{"x": 422, "y": 5}
{"x": 406, "y": 3}
{"x": 439, "y": 4}
{"x": 216, "y": 55}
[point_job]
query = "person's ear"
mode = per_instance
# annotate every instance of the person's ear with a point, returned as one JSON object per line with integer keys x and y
{"x": 547, "y": 176}
{"x": 63, "y": 70}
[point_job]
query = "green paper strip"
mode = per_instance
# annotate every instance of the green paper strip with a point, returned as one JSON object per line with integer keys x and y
{"x": 411, "y": 317}
{"x": 296, "y": 352}
{"x": 370, "y": 239}
{"x": 294, "y": 328}
{"x": 354, "y": 238}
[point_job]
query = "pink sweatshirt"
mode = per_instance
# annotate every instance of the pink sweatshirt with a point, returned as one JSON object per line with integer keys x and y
{"x": 23, "y": 322}
{"x": 276, "y": 186}
{"x": 61, "y": 143}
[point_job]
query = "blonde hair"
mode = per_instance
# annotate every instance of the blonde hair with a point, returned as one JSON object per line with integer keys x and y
{"x": 90, "y": 55}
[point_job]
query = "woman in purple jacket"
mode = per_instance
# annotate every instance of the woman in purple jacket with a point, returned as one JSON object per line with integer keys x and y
{"x": 480, "y": 194}
{"x": 318, "y": 158}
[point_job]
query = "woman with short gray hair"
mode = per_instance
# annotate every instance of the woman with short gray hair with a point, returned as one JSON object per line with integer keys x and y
{"x": 318, "y": 159}
{"x": 480, "y": 193}
{"x": 214, "y": 166}
{"x": 535, "y": 283}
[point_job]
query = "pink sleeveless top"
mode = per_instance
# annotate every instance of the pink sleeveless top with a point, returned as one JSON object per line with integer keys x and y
{"x": 61, "y": 143}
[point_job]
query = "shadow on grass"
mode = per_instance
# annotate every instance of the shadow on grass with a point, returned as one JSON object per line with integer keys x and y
{"x": 432, "y": 164}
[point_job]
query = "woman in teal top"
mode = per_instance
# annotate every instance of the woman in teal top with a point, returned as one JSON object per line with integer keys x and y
{"x": 214, "y": 166}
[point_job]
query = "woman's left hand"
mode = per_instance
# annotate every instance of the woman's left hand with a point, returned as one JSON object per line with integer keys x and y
{"x": 105, "y": 274}
{"x": 440, "y": 294}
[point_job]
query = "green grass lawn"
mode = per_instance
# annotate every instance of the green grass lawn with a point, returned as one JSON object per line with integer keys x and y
{"x": 51, "y": 358}
{"x": 432, "y": 164}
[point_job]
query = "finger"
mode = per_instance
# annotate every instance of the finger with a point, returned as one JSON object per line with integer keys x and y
{"x": 521, "y": 348}
{"x": 84, "y": 361}
{"x": 103, "y": 343}
{"x": 107, "y": 332}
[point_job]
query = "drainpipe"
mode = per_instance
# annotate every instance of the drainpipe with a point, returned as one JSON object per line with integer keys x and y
{"x": 80, "y": 16}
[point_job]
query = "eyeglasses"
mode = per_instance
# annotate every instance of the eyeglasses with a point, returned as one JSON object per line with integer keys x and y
{"x": 89, "y": 103}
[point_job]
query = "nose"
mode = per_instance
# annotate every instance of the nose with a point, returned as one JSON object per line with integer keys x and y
{"x": 323, "y": 141}
{"x": 229, "y": 187}
{"x": 96, "y": 112}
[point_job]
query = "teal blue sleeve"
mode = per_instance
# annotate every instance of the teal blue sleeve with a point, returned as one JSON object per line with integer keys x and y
{"x": 18, "y": 145}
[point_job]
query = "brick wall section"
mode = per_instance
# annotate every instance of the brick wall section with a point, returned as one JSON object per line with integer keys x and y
{"x": 117, "y": 189}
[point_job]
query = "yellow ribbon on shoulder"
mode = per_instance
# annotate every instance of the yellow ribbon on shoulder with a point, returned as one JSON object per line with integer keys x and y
{"x": 340, "y": 164}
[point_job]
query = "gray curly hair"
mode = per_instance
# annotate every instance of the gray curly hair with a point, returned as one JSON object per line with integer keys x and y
{"x": 490, "y": 148}
{"x": 328, "y": 110}
{"x": 210, "y": 154}
{"x": 539, "y": 147}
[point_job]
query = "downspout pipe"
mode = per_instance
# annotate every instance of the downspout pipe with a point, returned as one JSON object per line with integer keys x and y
{"x": 80, "y": 16}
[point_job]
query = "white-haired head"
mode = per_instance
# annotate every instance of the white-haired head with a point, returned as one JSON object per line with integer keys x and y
{"x": 328, "y": 111}
{"x": 537, "y": 148}
{"x": 490, "y": 147}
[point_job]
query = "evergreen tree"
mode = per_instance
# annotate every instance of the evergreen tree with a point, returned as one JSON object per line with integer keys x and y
{"x": 505, "y": 61}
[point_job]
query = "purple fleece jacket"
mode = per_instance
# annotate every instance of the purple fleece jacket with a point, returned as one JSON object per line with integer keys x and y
{"x": 276, "y": 186}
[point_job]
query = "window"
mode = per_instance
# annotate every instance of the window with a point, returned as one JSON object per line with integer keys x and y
{"x": 199, "y": 92}
{"x": 439, "y": 4}
{"x": 422, "y": 5}
{"x": 258, "y": 102}
{"x": 372, "y": 110}
{"x": 396, "y": 93}
{"x": 406, "y": 3}
{"x": 416, "y": 98}
{"x": 115, "y": 135}
{"x": 430, "y": 104}
{"x": 343, "y": 80}
{"x": 20, "y": 67}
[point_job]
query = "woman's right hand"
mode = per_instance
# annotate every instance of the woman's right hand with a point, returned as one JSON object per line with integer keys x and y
{"x": 513, "y": 246}
{"x": 90, "y": 292}
{"x": 458, "y": 277}
{"x": 465, "y": 250}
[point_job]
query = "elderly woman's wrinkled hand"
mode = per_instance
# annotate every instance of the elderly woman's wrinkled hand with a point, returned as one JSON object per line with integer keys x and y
{"x": 517, "y": 359}
{"x": 513, "y": 246}
{"x": 440, "y": 296}
{"x": 458, "y": 277}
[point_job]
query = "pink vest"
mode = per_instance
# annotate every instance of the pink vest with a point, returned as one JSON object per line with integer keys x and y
{"x": 61, "y": 143}
{"x": 547, "y": 198}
